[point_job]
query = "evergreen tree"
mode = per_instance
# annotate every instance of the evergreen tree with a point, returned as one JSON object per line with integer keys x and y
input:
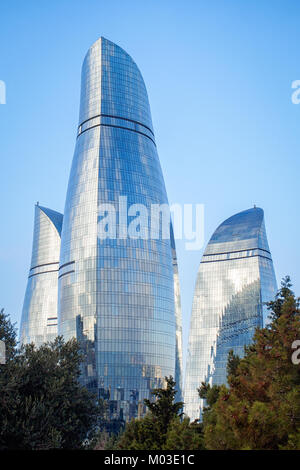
{"x": 42, "y": 404}
{"x": 150, "y": 432}
{"x": 142, "y": 434}
{"x": 164, "y": 408}
{"x": 261, "y": 407}
{"x": 209, "y": 394}
{"x": 8, "y": 335}
{"x": 183, "y": 435}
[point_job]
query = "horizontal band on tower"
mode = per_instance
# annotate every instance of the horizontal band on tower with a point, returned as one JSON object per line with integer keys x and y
{"x": 118, "y": 123}
{"x": 117, "y": 117}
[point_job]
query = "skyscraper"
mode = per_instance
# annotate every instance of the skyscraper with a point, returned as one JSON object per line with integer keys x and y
{"x": 116, "y": 294}
{"x": 235, "y": 280}
{"x": 39, "y": 315}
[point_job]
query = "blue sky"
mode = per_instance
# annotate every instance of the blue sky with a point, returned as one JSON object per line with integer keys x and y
{"x": 219, "y": 77}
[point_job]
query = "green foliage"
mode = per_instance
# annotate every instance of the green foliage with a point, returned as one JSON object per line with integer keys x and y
{"x": 8, "y": 334}
{"x": 182, "y": 435}
{"x": 161, "y": 428}
{"x": 208, "y": 393}
{"x": 142, "y": 434}
{"x": 164, "y": 409}
{"x": 103, "y": 440}
{"x": 232, "y": 364}
{"x": 42, "y": 404}
{"x": 261, "y": 407}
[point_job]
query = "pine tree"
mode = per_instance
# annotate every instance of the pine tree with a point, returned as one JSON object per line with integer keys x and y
{"x": 150, "y": 432}
{"x": 164, "y": 408}
{"x": 183, "y": 435}
{"x": 261, "y": 407}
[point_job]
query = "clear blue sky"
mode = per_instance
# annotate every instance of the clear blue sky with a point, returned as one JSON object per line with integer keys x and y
{"x": 219, "y": 76}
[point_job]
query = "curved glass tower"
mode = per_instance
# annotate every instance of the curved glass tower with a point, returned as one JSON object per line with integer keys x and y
{"x": 116, "y": 295}
{"x": 39, "y": 315}
{"x": 235, "y": 280}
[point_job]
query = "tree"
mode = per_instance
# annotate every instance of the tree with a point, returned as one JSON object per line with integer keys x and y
{"x": 182, "y": 435}
{"x": 103, "y": 440}
{"x": 150, "y": 432}
{"x": 261, "y": 407}
{"x": 42, "y": 404}
{"x": 164, "y": 409}
{"x": 209, "y": 394}
{"x": 8, "y": 334}
{"x": 142, "y": 434}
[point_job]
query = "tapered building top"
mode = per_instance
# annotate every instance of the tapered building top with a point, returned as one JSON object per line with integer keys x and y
{"x": 106, "y": 89}
{"x": 242, "y": 231}
{"x": 46, "y": 236}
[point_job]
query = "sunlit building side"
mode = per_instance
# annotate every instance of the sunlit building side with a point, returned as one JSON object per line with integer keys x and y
{"x": 235, "y": 281}
{"x": 116, "y": 295}
{"x": 39, "y": 314}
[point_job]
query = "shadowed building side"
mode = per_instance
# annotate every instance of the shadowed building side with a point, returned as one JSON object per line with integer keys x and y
{"x": 39, "y": 314}
{"x": 178, "y": 317}
{"x": 235, "y": 281}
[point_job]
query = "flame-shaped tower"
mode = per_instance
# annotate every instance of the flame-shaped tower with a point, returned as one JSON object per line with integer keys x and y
{"x": 116, "y": 295}
{"x": 235, "y": 281}
{"x": 39, "y": 315}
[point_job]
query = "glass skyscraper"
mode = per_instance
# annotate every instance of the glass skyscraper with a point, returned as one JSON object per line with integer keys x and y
{"x": 117, "y": 295}
{"x": 39, "y": 315}
{"x": 235, "y": 280}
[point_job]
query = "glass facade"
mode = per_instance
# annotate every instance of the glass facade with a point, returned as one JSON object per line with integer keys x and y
{"x": 235, "y": 280}
{"x": 39, "y": 315}
{"x": 116, "y": 295}
{"x": 178, "y": 316}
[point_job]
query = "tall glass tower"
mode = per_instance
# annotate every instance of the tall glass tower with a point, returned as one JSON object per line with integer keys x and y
{"x": 116, "y": 295}
{"x": 235, "y": 280}
{"x": 39, "y": 315}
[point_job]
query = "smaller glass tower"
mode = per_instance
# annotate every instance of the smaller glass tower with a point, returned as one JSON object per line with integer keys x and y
{"x": 39, "y": 315}
{"x": 235, "y": 281}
